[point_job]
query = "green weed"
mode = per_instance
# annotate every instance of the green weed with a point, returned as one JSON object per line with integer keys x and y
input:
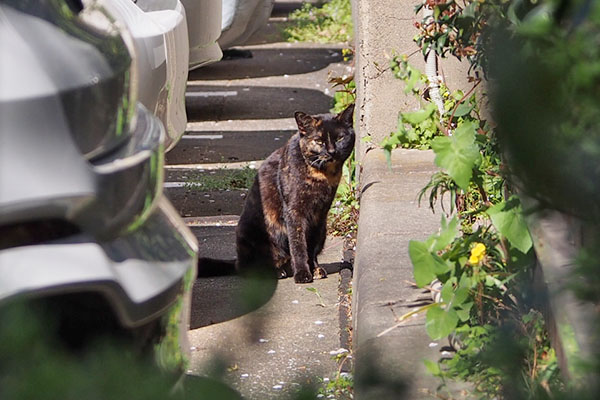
{"x": 341, "y": 387}
{"x": 343, "y": 216}
{"x": 223, "y": 179}
{"x": 315, "y": 291}
{"x": 330, "y": 23}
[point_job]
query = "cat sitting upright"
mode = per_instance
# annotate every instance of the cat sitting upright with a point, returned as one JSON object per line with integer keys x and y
{"x": 284, "y": 220}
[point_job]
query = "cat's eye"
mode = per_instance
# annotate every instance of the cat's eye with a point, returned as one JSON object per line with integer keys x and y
{"x": 339, "y": 139}
{"x": 318, "y": 142}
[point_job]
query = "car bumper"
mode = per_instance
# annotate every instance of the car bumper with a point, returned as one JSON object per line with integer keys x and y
{"x": 204, "y": 28}
{"x": 104, "y": 197}
{"x": 140, "y": 274}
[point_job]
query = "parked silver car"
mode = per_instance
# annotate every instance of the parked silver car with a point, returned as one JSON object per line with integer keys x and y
{"x": 160, "y": 38}
{"x": 204, "y": 28}
{"x": 83, "y": 221}
{"x": 241, "y": 19}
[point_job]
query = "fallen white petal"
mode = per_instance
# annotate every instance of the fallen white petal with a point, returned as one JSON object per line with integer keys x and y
{"x": 338, "y": 351}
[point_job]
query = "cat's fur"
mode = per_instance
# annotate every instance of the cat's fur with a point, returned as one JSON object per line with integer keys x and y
{"x": 283, "y": 224}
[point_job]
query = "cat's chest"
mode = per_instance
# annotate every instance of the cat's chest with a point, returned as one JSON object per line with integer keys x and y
{"x": 326, "y": 179}
{"x": 317, "y": 191}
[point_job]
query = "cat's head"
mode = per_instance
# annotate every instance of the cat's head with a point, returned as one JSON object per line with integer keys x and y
{"x": 327, "y": 138}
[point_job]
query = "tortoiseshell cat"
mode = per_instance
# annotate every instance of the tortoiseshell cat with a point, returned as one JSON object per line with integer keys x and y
{"x": 283, "y": 224}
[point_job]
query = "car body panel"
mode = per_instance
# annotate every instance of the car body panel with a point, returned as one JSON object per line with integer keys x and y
{"x": 241, "y": 19}
{"x": 140, "y": 273}
{"x": 160, "y": 39}
{"x": 104, "y": 197}
{"x": 204, "y": 28}
{"x": 101, "y": 76}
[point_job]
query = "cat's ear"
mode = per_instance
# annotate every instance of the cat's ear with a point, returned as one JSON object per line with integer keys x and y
{"x": 346, "y": 116}
{"x": 305, "y": 122}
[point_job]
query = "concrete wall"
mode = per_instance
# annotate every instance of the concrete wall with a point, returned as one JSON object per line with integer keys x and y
{"x": 384, "y": 28}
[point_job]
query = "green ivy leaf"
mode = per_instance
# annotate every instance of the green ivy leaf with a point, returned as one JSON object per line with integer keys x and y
{"x": 507, "y": 217}
{"x": 413, "y": 78}
{"x": 458, "y": 154}
{"x": 426, "y": 265}
{"x": 464, "y": 311}
{"x": 461, "y": 296}
{"x": 440, "y": 323}
{"x": 454, "y": 298}
{"x": 447, "y": 234}
{"x": 416, "y": 117}
{"x": 463, "y": 109}
{"x": 469, "y": 11}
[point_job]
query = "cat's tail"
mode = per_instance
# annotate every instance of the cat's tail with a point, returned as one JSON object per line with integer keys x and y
{"x": 213, "y": 267}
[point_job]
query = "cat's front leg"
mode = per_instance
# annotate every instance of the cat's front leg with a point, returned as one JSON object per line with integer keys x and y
{"x": 319, "y": 272}
{"x": 298, "y": 249}
{"x": 316, "y": 246}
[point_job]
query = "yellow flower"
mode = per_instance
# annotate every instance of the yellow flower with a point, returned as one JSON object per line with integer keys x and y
{"x": 477, "y": 253}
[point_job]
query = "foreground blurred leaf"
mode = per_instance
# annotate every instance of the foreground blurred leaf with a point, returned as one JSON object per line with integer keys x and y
{"x": 507, "y": 217}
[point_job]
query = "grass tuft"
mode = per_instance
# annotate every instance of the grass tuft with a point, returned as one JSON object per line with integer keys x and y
{"x": 330, "y": 23}
{"x": 223, "y": 179}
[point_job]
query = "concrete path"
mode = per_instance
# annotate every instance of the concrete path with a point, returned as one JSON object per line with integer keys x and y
{"x": 389, "y": 355}
{"x": 239, "y": 111}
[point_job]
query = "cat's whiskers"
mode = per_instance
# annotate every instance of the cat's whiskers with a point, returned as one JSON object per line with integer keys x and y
{"x": 317, "y": 162}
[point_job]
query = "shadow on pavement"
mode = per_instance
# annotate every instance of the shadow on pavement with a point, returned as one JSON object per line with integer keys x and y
{"x": 231, "y": 146}
{"x": 206, "y": 388}
{"x": 191, "y": 202}
{"x": 222, "y": 103}
{"x": 220, "y": 299}
{"x": 269, "y": 62}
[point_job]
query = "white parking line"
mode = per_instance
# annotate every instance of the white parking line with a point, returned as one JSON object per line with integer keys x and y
{"x": 278, "y": 124}
{"x": 215, "y": 166}
{"x": 221, "y": 220}
{"x": 168, "y": 185}
{"x": 205, "y": 137}
{"x": 227, "y": 93}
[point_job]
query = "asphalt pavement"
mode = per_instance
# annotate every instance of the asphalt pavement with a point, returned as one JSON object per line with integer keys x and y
{"x": 266, "y": 339}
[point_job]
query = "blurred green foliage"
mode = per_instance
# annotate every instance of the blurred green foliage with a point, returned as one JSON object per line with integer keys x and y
{"x": 329, "y": 23}
{"x": 544, "y": 67}
{"x": 35, "y": 365}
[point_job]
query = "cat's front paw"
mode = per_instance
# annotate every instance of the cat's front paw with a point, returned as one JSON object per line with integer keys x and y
{"x": 303, "y": 276}
{"x": 320, "y": 273}
{"x": 281, "y": 274}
